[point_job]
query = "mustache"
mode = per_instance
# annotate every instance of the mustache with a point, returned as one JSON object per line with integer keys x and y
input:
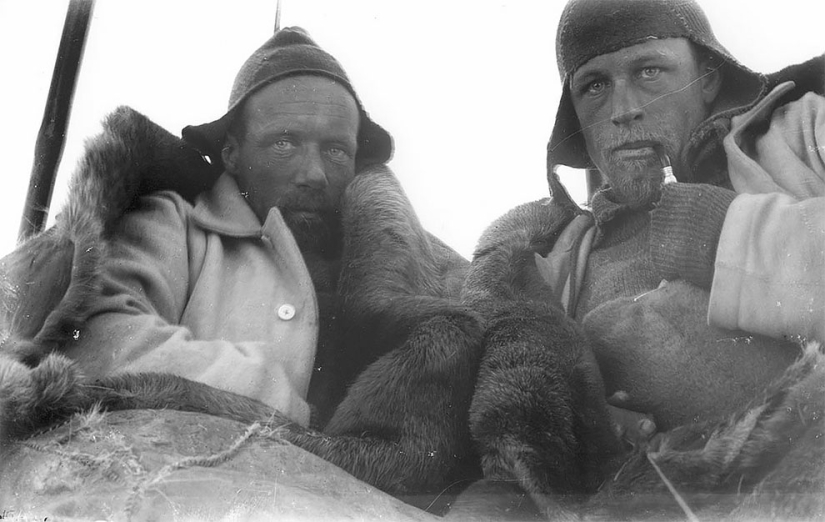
{"x": 632, "y": 138}
{"x": 308, "y": 200}
{"x": 303, "y": 217}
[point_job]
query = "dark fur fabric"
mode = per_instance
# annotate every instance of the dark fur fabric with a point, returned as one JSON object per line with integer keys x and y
{"x": 539, "y": 414}
{"x": 407, "y": 359}
{"x": 402, "y": 425}
{"x": 32, "y": 399}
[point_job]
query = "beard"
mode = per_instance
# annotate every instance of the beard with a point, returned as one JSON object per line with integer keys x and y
{"x": 634, "y": 178}
{"x": 316, "y": 231}
{"x": 313, "y": 216}
{"x": 637, "y": 190}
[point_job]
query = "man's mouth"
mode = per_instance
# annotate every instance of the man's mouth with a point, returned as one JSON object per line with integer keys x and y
{"x": 635, "y": 150}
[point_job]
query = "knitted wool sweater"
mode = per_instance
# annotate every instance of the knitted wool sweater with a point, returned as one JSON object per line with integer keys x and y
{"x": 635, "y": 249}
{"x": 619, "y": 264}
{"x": 656, "y": 346}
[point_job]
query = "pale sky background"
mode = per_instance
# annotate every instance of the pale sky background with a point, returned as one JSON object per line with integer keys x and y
{"x": 468, "y": 88}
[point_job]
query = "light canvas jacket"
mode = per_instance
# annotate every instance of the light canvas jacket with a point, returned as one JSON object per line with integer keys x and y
{"x": 770, "y": 264}
{"x": 207, "y": 293}
{"x": 157, "y": 263}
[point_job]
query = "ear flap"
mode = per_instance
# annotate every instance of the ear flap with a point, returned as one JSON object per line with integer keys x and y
{"x": 567, "y": 146}
{"x": 375, "y": 145}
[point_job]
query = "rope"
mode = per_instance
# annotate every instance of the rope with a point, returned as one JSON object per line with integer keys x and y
{"x": 201, "y": 460}
{"x": 679, "y": 500}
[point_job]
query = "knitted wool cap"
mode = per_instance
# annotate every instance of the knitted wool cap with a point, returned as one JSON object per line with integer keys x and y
{"x": 289, "y": 52}
{"x": 590, "y": 28}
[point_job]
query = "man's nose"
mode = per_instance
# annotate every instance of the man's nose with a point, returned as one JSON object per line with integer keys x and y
{"x": 312, "y": 173}
{"x": 627, "y": 107}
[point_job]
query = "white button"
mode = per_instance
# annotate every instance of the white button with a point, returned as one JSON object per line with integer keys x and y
{"x": 286, "y": 312}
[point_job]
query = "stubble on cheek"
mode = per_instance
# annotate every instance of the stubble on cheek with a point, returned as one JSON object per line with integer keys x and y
{"x": 634, "y": 177}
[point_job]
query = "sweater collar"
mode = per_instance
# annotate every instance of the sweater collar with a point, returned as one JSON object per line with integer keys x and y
{"x": 606, "y": 210}
{"x": 224, "y": 210}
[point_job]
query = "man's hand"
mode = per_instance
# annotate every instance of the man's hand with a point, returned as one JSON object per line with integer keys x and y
{"x": 633, "y": 428}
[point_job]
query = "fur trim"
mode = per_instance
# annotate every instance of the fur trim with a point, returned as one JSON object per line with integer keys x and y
{"x": 48, "y": 279}
{"x": 52, "y": 387}
{"x": 539, "y": 415}
{"x": 401, "y": 425}
{"x": 504, "y": 267}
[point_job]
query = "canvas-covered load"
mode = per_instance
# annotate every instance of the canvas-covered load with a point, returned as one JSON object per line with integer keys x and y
{"x": 168, "y": 465}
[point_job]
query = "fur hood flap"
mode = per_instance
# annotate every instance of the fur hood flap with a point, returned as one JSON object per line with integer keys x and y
{"x": 45, "y": 280}
{"x": 134, "y": 156}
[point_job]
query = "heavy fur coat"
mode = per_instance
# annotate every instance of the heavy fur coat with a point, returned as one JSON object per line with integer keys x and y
{"x": 399, "y": 305}
{"x": 47, "y": 282}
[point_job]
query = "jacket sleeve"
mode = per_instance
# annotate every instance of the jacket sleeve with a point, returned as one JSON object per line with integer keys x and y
{"x": 770, "y": 267}
{"x": 135, "y": 323}
{"x": 770, "y": 264}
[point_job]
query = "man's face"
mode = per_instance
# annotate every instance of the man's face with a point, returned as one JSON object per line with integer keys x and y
{"x": 631, "y": 100}
{"x": 296, "y": 150}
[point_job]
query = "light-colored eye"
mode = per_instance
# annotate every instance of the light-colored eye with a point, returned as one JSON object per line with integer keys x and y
{"x": 283, "y": 144}
{"x": 595, "y": 87}
{"x": 650, "y": 73}
{"x": 337, "y": 153}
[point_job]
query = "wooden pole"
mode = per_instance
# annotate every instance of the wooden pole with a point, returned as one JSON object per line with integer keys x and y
{"x": 52, "y": 135}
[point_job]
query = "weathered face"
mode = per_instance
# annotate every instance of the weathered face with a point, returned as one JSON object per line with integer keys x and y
{"x": 628, "y": 101}
{"x": 296, "y": 150}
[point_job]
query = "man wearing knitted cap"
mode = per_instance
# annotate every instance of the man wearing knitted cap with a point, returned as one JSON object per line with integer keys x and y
{"x": 218, "y": 291}
{"x": 236, "y": 277}
{"x": 696, "y": 290}
{"x": 270, "y": 253}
